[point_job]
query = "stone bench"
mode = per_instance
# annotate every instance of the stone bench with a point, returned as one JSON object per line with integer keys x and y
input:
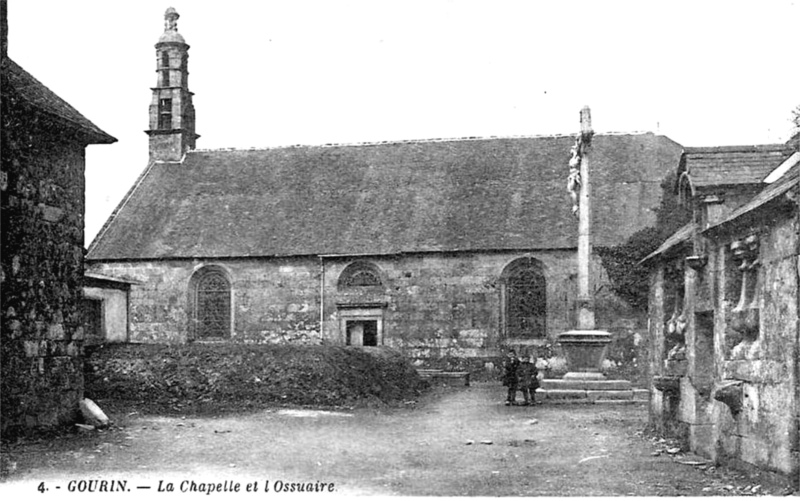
{"x": 438, "y": 374}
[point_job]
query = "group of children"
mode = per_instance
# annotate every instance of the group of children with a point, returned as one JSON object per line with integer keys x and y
{"x": 520, "y": 374}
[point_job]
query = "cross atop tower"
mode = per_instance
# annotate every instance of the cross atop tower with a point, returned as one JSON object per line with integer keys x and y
{"x": 171, "y": 19}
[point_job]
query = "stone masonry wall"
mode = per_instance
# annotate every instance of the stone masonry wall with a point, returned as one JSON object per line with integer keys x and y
{"x": 273, "y": 300}
{"x": 448, "y": 305}
{"x": 737, "y": 398}
{"x": 42, "y": 269}
{"x": 765, "y": 431}
{"x": 434, "y": 307}
{"x": 659, "y": 415}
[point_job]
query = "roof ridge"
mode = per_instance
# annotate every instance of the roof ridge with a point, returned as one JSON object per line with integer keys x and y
{"x": 415, "y": 141}
{"x": 755, "y": 148}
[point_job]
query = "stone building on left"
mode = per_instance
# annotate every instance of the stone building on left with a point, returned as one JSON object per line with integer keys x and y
{"x": 42, "y": 181}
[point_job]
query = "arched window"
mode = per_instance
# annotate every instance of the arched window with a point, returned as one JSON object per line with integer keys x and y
{"x": 211, "y": 304}
{"x": 360, "y": 274}
{"x": 524, "y": 299}
{"x": 685, "y": 190}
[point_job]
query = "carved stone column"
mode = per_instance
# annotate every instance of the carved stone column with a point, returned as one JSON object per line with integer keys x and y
{"x": 745, "y": 315}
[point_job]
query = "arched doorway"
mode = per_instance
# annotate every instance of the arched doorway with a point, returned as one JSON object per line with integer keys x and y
{"x": 360, "y": 307}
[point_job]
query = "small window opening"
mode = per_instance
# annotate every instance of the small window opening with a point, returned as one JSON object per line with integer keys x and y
{"x": 164, "y": 69}
{"x": 165, "y": 114}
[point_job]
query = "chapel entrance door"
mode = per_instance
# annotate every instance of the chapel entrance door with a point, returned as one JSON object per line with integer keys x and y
{"x": 361, "y": 324}
{"x": 362, "y": 333}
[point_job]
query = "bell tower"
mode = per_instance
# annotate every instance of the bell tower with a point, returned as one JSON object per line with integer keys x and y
{"x": 171, "y": 110}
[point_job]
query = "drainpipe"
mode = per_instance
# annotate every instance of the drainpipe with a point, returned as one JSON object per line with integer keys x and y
{"x": 321, "y": 296}
{"x": 128, "y": 315}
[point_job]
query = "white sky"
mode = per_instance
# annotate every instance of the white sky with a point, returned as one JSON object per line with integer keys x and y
{"x": 268, "y": 73}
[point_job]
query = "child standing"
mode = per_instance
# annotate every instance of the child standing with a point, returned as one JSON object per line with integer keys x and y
{"x": 529, "y": 379}
{"x": 510, "y": 376}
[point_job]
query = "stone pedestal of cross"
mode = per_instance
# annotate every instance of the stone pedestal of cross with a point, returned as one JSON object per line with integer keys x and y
{"x": 584, "y": 347}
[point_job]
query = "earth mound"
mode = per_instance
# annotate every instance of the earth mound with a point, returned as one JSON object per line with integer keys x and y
{"x": 217, "y": 377}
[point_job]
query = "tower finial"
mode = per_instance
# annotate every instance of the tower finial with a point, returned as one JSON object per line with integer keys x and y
{"x": 586, "y": 125}
{"x": 171, "y": 19}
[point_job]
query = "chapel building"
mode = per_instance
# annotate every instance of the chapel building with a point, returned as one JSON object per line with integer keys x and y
{"x": 440, "y": 248}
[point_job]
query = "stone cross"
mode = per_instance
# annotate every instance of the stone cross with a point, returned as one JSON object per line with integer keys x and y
{"x": 585, "y": 297}
{"x": 584, "y": 347}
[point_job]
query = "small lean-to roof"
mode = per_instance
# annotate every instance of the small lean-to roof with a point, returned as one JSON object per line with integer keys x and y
{"x": 385, "y": 198}
{"x": 728, "y": 165}
{"x": 788, "y": 181}
{"x": 108, "y": 278}
{"x": 21, "y": 87}
{"x": 96, "y": 280}
{"x": 684, "y": 234}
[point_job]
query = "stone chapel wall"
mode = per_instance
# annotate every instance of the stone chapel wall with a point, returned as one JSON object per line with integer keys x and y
{"x": 431, "y": 306}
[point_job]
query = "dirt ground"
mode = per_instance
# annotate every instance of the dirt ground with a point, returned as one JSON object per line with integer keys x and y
{"x": 454, "y": 442}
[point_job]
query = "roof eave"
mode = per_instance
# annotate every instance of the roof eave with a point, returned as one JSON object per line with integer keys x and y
{"x": 321, "y": 255}
{"x": 756, "y": 204}
{"x": 682, "y": 239}
{"x": 92, "y": 136}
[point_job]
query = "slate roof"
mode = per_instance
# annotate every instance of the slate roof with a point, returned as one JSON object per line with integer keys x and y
{"x": 21, "y": 86}
{"x": 107, "y": 282}
{"x": 727, "y": 165}
{"x": 385, "y": 198}
{"x": 771, "y": 192}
